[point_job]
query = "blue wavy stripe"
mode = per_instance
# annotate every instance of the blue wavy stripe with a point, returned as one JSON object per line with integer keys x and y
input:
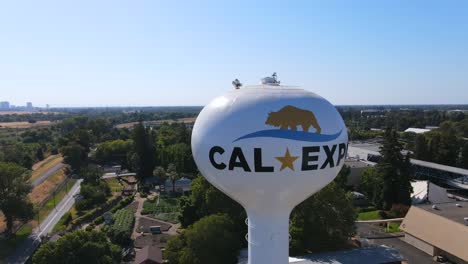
{"x": 291, "y": 134}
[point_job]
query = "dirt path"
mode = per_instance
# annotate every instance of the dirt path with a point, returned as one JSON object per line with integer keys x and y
{"x": 140, "y": 201}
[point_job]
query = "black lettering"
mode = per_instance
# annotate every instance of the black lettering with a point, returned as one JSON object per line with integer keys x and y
{"x": 341, "y": 153}
{"x": 242, "y": 163}
{"x": 329, "y": 159}
{"x": 307, "y": 158}
{"x": 213, "y": 151}
{"x": 258, "y": 162}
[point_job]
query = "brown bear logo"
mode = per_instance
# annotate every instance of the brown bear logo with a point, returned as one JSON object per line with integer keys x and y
{"x": 291, "y": 117}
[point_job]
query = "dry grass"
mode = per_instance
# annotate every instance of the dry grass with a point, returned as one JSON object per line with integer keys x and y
{"x": 45, "y": 165}
{"x": 25, "y": 124}
{"x": 43, "y": 190}
{"x": 187, "y": 120}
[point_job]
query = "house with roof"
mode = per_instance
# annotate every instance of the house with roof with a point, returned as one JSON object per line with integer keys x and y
{"x": 149, "y": 255}
{"x": 439, "y": 230}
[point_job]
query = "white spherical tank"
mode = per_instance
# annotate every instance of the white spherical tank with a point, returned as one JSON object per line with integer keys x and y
{"x": 269, "y": 147}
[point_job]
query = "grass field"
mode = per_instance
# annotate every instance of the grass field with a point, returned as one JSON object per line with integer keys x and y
{"x": 25, "y": 124}
{"x": 371, "y": 215}
{"x": 43, "y": 190}
{"x": 45, "y": 165}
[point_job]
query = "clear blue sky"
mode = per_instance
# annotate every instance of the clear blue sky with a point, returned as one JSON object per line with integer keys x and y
{"x": 119, "y": 53}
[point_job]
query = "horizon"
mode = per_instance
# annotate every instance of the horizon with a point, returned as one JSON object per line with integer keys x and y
{"x": 116, "y": 53}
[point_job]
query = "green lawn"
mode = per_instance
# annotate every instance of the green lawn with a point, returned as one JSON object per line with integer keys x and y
{"x": 371, "y": 215}
{"x": 114, "y": 185}
{"x": 393, "y": 228}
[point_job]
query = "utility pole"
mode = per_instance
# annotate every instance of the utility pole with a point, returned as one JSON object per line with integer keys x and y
{"x": 38, "y": 220}
{"x": 54, "y": 202}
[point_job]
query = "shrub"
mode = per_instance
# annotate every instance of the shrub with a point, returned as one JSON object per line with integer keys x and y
{"x": 399, "y": 210}
{"x": 98, "y": 220}
{"x": 383, "y": 214}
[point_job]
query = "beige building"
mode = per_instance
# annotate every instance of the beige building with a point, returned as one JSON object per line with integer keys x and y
{"x": 357, "y": 167}
{"x": 439, "y": 229}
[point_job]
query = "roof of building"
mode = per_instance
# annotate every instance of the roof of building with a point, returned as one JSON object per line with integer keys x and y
{"x": 442, "y": 228}
{"x": 449, "y": 210}
{"x": 366, "y": 255}
{"x": 148, "y": 253}
{"x": 357, "y": 163}
{"x": 179, "y": 182}
{"x": 439, "y": 167}
{"x": 417, "y": 130}
{"x": 360, "y": 149}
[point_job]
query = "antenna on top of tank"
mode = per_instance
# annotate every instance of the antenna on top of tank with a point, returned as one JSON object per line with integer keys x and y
{"x": 273, "y": 80}
{"x": 237, "y": 84}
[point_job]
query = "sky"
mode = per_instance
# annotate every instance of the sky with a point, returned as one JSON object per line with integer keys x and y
{"x": 171, "y": 53}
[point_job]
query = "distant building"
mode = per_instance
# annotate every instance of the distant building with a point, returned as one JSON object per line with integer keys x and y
{"x": 149, "y": 255}
{"x": 4, "y": 105}
{"x": 368, "y": 152}
{"x": 417, "y": 130}
{"x": 439, "y": 230}
{"x": 357, "y": 167}
{"x": 181, "y": 185}
{"x": 29, "y": 106}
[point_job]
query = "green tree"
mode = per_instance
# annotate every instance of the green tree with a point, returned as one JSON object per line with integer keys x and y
{"x": 173, "y": 175}
{"x": 464, "y": 156}
{"x": 144, "y": 157}
{"x": 205, "y": 200}
{"x": 40, "y": 153}
{"x": 342, "y": 177}
{"x": 211, "y": 240}
{"x": 434, "y": 146}
{"x": 14, "y": 190}
{"x": 91, "y": 174}
{"x": 371, "y": 186}
{"x": 160, "y": 173}
{"x": 78, "y": 247}
{"x": 394, "y": 170}
{"x": 421, "y": 151}
{"x": 449, "y": 147}
{"x": 324, "y": 221}
{"x": 74, "y": 155}
{"x": 114, "y": 151}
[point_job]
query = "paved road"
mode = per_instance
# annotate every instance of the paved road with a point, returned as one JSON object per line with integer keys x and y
{"x": 47, "y": 174}
{"x": 28, "y": 247}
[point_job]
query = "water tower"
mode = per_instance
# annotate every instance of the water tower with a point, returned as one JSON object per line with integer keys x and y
{"x": 269, "y": 147}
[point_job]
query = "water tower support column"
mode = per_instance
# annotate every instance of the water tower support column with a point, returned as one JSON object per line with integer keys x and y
{"x": 268, "y": 237}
